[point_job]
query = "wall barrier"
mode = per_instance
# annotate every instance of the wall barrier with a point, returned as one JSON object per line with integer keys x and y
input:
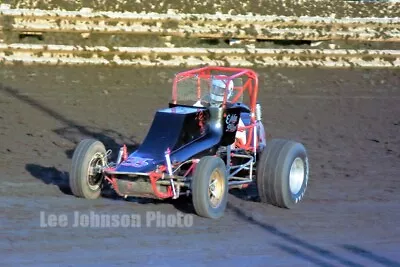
{"x": 204, "y": 25}
{"x": 35, "y": 21}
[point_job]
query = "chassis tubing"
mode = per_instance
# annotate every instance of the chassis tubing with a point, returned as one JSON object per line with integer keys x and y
{"x": 154, "y": 177}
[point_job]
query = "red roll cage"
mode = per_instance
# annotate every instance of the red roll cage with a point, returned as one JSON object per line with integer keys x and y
{"x": 227, "y": 74}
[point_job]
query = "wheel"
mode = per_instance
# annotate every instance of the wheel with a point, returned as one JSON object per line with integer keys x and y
{"x": 282, "y": 173}
{"x": 210, "y": 187}
{"x": 86, "y": 177}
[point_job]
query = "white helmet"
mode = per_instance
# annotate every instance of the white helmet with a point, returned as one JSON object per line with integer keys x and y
{"x": 218, "y": 88}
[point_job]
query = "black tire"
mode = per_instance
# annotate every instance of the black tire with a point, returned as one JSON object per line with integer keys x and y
{"x": 86, "y": 154}
{"x": 273, "y": 173}
{"x": 210, "y": 167}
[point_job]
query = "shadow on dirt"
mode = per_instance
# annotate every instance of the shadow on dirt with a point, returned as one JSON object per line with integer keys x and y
{"x": 72, "y": 132}
{"x": 247, "y": 194}
{"x": 50, "y": 175}
{"x": 296, "y": 243}
{"x": 183, "y": 204}
{"x": 53, "y": 176}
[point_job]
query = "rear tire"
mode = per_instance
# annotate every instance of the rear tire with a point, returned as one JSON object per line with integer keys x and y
{"x": 210, "y": 188}
{"x": 84, "y": 181}
{"x": 282, "y": 173}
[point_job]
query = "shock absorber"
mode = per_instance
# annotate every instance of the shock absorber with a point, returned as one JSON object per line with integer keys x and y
{"x": 258, "y": 112}
{"x": 257, "y": 130}
{"x": 169, "y": 168}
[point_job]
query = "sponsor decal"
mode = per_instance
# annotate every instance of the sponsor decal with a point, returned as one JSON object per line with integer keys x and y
{"x": 136, "y": 162}
{"x": 231, "y": 122}
{"x": 201, "y": 118}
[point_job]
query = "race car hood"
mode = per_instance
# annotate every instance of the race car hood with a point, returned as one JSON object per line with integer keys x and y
{"x": 183, "y": 130}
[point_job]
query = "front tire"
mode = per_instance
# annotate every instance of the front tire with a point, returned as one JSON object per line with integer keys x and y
{"x": 86, "y": 177}
{"x": 283, "y": 173}
{"x": 210, "y": 188}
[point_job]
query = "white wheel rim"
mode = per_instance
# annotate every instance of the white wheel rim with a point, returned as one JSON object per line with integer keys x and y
{"x": 98, "y": 157}
{"x": 296, "y": 175}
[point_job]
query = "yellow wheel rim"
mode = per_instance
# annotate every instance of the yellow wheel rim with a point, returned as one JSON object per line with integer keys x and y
{"x": 216, "y": 188}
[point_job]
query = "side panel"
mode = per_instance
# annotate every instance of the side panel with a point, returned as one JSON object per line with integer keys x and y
{"x": 230, "y": 125}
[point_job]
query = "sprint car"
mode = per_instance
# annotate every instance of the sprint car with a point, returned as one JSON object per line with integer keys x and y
{"x": 201, "y": 149}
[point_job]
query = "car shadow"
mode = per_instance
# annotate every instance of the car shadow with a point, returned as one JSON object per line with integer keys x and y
{"x": 53, "y": 176}
{"x": 249, "y": 193}
{"x": 50, "y": 175}
{"x": 183, "y": 204}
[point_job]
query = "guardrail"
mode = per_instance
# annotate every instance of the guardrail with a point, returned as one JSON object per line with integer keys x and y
{"x": 195, "y": 26}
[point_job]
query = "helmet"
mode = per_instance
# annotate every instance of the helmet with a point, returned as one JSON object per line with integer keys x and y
{"x": 218, "y": 88}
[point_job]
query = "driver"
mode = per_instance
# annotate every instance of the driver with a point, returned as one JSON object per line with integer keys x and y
{"x": 216, "y": 96}
{"x": 218, "y": 88}
{"x": 217, "y": 91}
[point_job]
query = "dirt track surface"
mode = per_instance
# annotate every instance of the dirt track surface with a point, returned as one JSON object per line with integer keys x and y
{"x": 349, "y": 120}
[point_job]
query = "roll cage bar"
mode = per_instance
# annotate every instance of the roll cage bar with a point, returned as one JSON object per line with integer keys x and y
{"x": 226, "y": 73}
